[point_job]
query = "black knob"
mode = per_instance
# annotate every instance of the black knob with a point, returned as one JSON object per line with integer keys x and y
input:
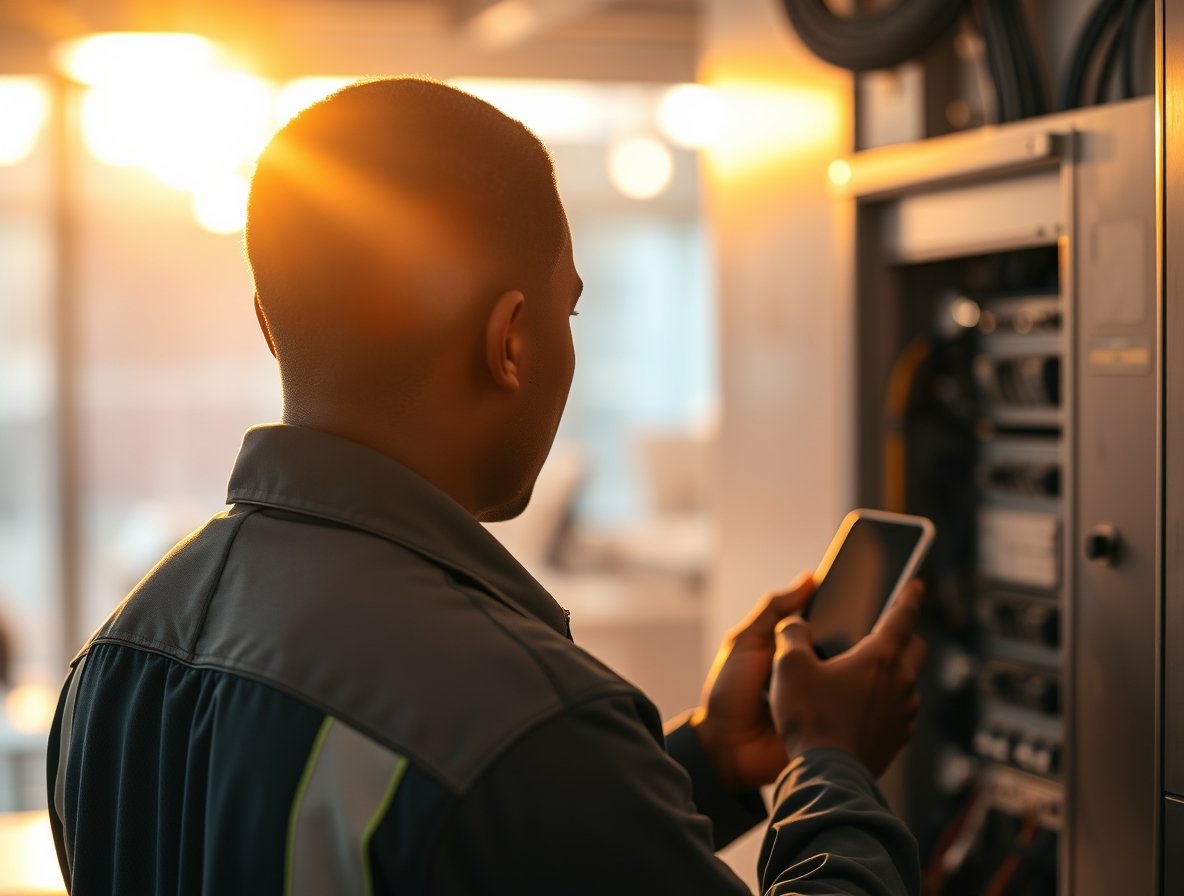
{"x": 1101, "y": 544}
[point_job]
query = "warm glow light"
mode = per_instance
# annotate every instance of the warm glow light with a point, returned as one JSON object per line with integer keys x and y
{"x": 553, "y": 110}
{"x": 689, "y": 115}
{"x": 208, "y": 127}
{"x": 165, "y": 102}
{"x": 185, "y": 131}
{"x": 27, "y": 855}
{"x": 764, "y": 124}
{"x": 30, "y": 708}
{"x": 298, "y": 95}
{"x": 133, "y": 56}
{"x": 504, "y": 22}
{"x": 114, "y": 126}
{"x": 839, "y": 172}
{"x": 23, "y": 109}
{"x": 220, "y": 206}
{"x": 640, "y": 167}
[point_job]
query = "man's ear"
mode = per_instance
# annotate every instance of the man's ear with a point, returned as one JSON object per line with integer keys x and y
{"x": 504, "y": 340}
{"x": 263, "y": 325}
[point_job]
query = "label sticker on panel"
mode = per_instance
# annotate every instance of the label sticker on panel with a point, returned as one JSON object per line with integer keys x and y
{"x": 1020, "y": 547}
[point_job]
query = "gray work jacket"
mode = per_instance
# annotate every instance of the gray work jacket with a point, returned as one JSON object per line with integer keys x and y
{"x": 344, "y": 684}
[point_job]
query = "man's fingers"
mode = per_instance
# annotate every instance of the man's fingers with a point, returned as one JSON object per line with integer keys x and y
{"x": 914, "y": 655}
{"x": 794, "y": 636}
{"x": 899, "y": 622}
{"x": 784, "y": 601}
{"x": 776, "y": 605}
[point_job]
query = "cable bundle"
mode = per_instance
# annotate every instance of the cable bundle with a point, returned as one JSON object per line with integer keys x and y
{"x": 876, "y": 40}
{"x": 868, "y": 41}
{"x": 1110, "y": 29}
{"x": 1011, "y": 60}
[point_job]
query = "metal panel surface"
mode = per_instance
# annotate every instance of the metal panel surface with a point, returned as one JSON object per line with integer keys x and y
{"x": 1173, "y": 249}
{"x": 971, "y": 156}
{"x": 1173, "y": 840}
{"x": 963, "y": 220}
{"x": 1114, "y": 788}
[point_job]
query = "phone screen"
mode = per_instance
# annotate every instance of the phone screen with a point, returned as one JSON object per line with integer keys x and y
{"x": 861, "y": 578}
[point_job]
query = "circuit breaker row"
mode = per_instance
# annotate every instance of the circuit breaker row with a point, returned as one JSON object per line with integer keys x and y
{"x": 1018, "y": 369}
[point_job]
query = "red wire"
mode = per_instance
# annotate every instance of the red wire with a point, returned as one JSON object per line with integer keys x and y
{"x": 998, "y": 884}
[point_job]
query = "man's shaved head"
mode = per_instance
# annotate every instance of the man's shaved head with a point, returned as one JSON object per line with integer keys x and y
{"x": 351, "y": 197}
{"x": 414, "y": 278}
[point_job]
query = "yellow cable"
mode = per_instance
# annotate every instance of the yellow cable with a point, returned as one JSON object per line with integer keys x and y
{"x": 900, "y": 385}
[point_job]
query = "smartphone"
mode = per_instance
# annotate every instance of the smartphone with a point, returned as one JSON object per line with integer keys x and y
{"x": 870, "y": 559}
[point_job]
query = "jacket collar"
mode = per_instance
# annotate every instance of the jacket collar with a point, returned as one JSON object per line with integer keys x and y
{"x": 321, "y": 475}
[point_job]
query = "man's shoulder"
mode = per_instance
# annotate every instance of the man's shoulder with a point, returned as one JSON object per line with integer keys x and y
{"x": 414, "y": 654}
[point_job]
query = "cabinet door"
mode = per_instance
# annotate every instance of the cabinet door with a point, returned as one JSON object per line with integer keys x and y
{"x": 1173, "y": 199}
{"x": 1115, "y": 788}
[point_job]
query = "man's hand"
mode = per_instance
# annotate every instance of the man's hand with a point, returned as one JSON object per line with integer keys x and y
{"x": 863, "y": 701}
{"x": 733, "y": 722}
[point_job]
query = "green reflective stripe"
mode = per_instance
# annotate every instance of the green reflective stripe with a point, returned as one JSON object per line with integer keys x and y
{"x": 345, "y": 790}
{"x": 298, "y": 800}
{"x": 374, "y": 822}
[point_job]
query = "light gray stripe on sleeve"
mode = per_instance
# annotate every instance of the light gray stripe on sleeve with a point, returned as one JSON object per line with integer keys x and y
{"x": 59, "y": 781}
{"x": 349, "y": 785}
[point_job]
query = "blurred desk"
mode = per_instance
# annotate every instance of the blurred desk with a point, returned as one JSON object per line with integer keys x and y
{"x": 678, "y": 545}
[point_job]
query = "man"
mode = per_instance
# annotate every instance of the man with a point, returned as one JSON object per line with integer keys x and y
{"x": 345, "y": 685}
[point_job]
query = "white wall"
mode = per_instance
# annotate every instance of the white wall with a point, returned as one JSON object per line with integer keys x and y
{"x": 784, "y": 264}
{"x": 784, "y": 261}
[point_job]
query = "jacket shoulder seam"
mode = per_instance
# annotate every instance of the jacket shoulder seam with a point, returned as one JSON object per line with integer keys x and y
{"x": 208, "y": 599}
{"x": 478, "y": 605}
{"x": 455, "y": 783}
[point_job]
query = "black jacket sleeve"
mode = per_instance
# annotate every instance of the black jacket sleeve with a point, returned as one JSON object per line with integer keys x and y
{"x": 589, "y": 803}
{"x": 732, "y": 815}
{"x": 52, "y": 758}
{"x": 832, "y": 833}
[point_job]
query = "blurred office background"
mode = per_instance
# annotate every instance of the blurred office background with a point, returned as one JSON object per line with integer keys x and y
{"x": 703, "y": 456}
{"x": 166, "y": 368}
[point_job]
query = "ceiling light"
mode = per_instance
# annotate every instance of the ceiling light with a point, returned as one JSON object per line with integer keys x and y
{"x": 132, "y": 55}
{"x": 689, "y": 114}
{"x": 640, "y": 167}
{"x": 24, "y": 106}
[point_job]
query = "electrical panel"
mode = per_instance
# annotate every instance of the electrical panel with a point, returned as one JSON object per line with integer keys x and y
{"x": 1008, "y": 361}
